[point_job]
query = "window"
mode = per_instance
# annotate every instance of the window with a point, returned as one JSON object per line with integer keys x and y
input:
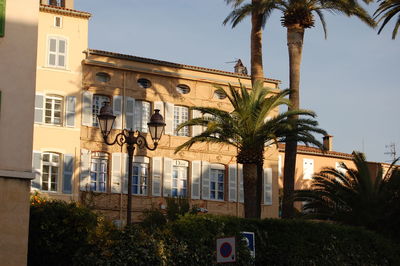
{"x": 57, "y": 22}
{"x": 144, "y": 83}
{"x": 179, "y": 178}
{"x": 181, "y": 114}
{"x": 50, "y": 171}
{"x": 219, "y": 95}
{"x": 140, "y": 174}
{"x": 57, "y": 52}
{"x": 217, "y": 182}
{"x": 53, "y": 110}
{"x": 308, "y": 168}
{"x": 183, "y": 89}
{"x": 98, "y": 102}
{"x": 2, "y": 17}
{"x": 103, "y": 77}
{"x": 141, "y": 115}
{"x": 98, "y": 171}
{"x": 60, "y": 3}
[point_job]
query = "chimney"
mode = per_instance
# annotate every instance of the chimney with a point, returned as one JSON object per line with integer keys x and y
{"x": 240, "y": 68}
{"x": 327, "y": 142}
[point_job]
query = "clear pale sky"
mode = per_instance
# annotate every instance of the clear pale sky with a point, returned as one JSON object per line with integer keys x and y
{"x": 351, "y": 80}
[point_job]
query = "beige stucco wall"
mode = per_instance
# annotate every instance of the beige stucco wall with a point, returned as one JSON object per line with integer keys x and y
{"x": 17, "y": 87}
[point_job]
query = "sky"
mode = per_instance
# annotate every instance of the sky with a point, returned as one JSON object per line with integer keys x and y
{"x": 350, "y": 79}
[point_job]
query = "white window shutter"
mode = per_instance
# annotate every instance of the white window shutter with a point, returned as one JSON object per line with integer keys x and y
{"x": 36, "y": 169}
{"x": 169, "y": 118}
{"x": 196, "y": 174}
{"x": 241, "y": 190}
{"x": 232, "y": 182}
{"x": 279, "y": 166}
{"x": 84, "y": 183}
{"x": 87, "y": 101}
{"x": 129, "y": 113}
{"x": 117, "y": 109}
{"x": 39, "y": 106}
{"x": 205, "y": 180}
{"x": 167, "y": 174}
{"x": 70, "y": 102}
{"x": 267, "y": 182}
{"x": 68, "y": 173}
{"x": 196, "y": 130}
{"x": 308, "y": 168}
{"x": 116, "y": 170}
{"x": 156, "y": 176}
{"x": 125, "y": 172}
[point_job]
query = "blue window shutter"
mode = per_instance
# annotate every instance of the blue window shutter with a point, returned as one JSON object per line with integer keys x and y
{"x": 36, "y": 169}
{"x": 2, "y": 17}
{"x": 70, "y": 111}
{"x": 68, "y": 172}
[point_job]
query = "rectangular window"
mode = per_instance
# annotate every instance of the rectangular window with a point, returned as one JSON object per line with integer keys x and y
{"x": 140, "y": 173}
{"x": 60, "y": 3}
{"x": 58, "y": 22}
{"x": 98, "y": 102}
{"x": 50, "y": 171}
{"x": 141, "y": 115}
{"x": 53, "y": 110}
{"x": 57, "y": 52}
{"x": 217, "y": 184}
{"x": 98, "y": 171}
{"x": 181, "y": 114}
{"x": 308, "y": 168}
{"x": 2, "y": 17}
{"x": 179, "y": 178}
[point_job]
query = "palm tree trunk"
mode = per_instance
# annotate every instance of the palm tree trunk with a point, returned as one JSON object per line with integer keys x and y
{"x": 257, "y": 72}
{"x": 295, "y": 36}
{"x": 252, "y": 205}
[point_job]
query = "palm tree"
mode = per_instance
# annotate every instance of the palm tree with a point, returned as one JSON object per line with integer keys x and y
{"x": 298, "y": 15}
{"x": 248, "y": 129}
{"x": 387, "y": 10}
{"x": 357, "y": 197}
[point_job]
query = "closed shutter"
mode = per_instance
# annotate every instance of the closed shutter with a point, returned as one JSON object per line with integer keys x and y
{"x": 267, "y": 180}
{"x": 39, "y": 106}
{"x": 116, "y": 172}
{"x": 117, "y": 109}
{"x": 156, "y": 176}
{"x": 129, "y": 113}
{"x": 85, "y": 170}
{"x": 232, "y": 182}
{"x": 36, "y": 169}
{"x": 167, "y": 174}
{"x": 169, "y": 119}
{"x": 196, "y": 130}
{"x": 68, "y": 173}
{"x": 70, "y": 111}
{"x": 205, "y": 179}
{"x": 196, "y": 174}
{"x": 87, "y": 99}
{"x": 308, "y": 168}
{"x": 2, "y": 17}
{"x": 241, "y": 190}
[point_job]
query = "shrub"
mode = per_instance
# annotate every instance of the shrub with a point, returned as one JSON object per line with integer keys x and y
{"x": 57, "y": 230}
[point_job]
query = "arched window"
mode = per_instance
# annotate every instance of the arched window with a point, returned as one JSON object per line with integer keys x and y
{"x": 219, "y": 95}
{"x": 144, "y": 83}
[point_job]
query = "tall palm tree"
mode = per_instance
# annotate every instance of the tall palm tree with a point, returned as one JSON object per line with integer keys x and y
{"x": 248, "y": 129}
{"x": 386, "y": 11}
{"x": 297, "y": 15}
{"x": 355, "y": 196}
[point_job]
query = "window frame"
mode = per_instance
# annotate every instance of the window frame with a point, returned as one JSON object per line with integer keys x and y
{"x": 50, "y": 165}
{"x": 184, "y": 132}
{"x": 57, "y": 53}
{"x": 180, "y": 166}
{"x": 94, "y": 114}
{"x": 60, "y": 20}
{"x": 182, "y": 88}
{"x": 142, "y": 178}
{"x": 217, "y": 168}
{"x": 53, "y": 98}
{"x": 100, "y": 158}
{"x": 140, "y": 117}
{"x": 141, "y": 85}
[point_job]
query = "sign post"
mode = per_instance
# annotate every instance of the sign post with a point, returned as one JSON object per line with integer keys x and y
{"x": 226, "y": 249}
{"x": 249, "y": 238}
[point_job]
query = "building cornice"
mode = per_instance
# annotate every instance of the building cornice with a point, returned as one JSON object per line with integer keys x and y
{"x": 301, "y": 149}
{"x": 174, "y": 65}
{"x": 64, "y": 11}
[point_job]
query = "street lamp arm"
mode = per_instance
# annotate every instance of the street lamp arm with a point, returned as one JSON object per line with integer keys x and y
{"x": 142, "y": 143}
{"x": 120, "y": 139}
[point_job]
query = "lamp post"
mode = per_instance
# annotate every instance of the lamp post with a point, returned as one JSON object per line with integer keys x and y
{"x": 131, "y": 138}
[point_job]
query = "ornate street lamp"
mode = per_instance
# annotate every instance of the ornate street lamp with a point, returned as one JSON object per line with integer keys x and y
{"x": 130, "y": 137}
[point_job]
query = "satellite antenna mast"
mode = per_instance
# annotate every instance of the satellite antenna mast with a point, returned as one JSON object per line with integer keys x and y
{"x": 392, "y": 150}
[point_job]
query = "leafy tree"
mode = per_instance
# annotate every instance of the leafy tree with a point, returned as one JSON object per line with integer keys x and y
{"x": 297, "y": 15}
{"x": 386, "y": 11}
{"x": 356, "y": 196}
{"x": 250, "y": 127}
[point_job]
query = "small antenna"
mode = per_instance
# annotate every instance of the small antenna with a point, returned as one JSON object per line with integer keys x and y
{"x": 231, "y": 62}
{"x": 392, "y": 150}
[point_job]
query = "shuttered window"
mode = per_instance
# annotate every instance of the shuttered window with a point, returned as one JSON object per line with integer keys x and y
{"x": 98, "y": 171}
{"x": 140, "y": 173}
{"x": 53, "y": 110}
{"x": 57, "y": 52}
{"x": 181, "y": 114}
{"x": 179, "y": 178}
{"x": 98, "y": 102}
{"x": 50, "y": 171}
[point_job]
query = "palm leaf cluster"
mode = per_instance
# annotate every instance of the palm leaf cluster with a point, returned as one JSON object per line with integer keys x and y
{"x": 251, "y": 125}
{"x": 386, "y": 11}
{"x": 357, "y": 196}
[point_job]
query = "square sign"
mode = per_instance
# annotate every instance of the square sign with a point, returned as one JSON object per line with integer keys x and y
{"x": 226, "y": 249}
{"x": 249, "y": 238}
